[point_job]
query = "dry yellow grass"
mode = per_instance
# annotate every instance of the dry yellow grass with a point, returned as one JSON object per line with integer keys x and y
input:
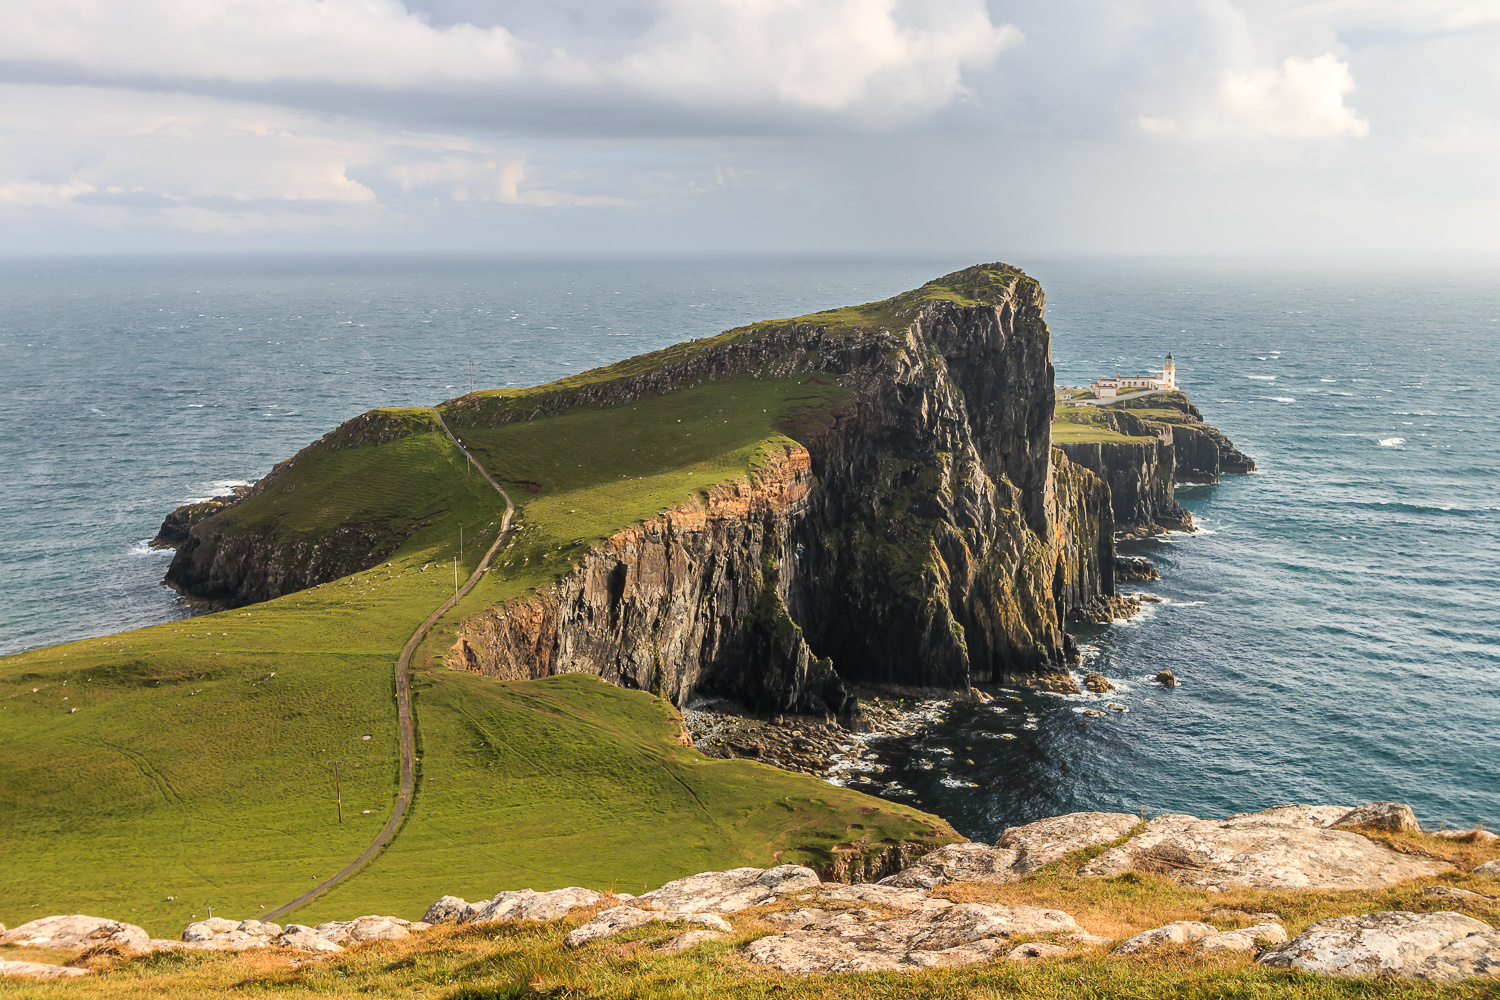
{"x": 529, "y": 960}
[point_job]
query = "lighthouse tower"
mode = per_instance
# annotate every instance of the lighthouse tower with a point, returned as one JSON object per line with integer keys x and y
{"x": 1169, "y": 373}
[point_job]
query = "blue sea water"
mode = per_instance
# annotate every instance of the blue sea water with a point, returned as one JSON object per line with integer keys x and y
{"x": 1335, "y": 625}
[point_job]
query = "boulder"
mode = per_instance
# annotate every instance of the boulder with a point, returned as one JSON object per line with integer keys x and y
{"x": 1098, "y": 683}
{"x": 1370, "y": 944}
{"x": 1177, "y": 932}
{"x": 448, "y": 909}
{"x": 1474, "y": 836}
{"x": 525, "y": 904}
{"x": 304, "y": 938}
{"x": 957, "y": 863}
{"x": 1449, "y": 892}
{"x": 1247, "y": 939}
{"x": 218, "y": 934}
{"x": 369, "y": 928}
{"x": 958, "y": 934}
{"x": 690, "y": 939}
{"x": 1475, "y": 955}
{"x": 623, "y": 918}
{"x": 1491, "y": 868}
{"x": 729, "y": 892}
{"x": 1035, "y": 949}
{"x": 1277, "y": 849}
{"x": 1047, "y": 840}
{"x": 895, "y": 897}
{"x": 76, "y": 931}
{"x": 38, "y": 970}
{"x": 1393, "y": 816}
{"x": 1166, "y": 679}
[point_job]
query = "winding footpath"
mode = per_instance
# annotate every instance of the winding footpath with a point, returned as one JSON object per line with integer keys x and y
{"x": 403, "y": 698}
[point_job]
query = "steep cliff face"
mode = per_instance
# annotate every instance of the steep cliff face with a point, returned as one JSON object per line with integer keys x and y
{"x": 227, "y": 556}
{"x": 927, "y": 535}
{"x": 1202, "y": 452}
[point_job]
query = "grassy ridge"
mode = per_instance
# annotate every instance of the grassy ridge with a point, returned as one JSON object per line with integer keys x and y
{"x": 190, "y": 771}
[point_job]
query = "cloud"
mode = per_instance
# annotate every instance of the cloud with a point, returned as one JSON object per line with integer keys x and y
{"x": 188, "y": 160}
{"x": 1302, "y": 99}
{"x": 900, "y": 58}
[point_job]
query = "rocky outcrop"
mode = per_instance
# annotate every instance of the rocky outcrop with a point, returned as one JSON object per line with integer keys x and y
{"x": 1425, "y": 945}
{"x": 1204, "y": 937}
{"x": 221, "y": 564}
{"x": 1202, "y": 453}
{"x": 38, "y": 970}
{"x": 926, "y": 534}
{"x": 1054, "y": 838}
{"x": 519, "y": 904}
{"x": 76, "y": 931}
{"x": 1288, "y": 847}
{"x": 1395, "y": 817}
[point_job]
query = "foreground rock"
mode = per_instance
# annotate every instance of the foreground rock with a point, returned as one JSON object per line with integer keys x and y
{"x": 372, "y": 928}
{"x": 519, "y": 904}
{"x": 1288, "y": 847}
{"x": 1427, "y": 945}
{"x": 958, "y": 863}
{"x": 700, "y": 899}
{"x": 1177, "y": 932}
{"x": 77, "y": 931}
{"x": 1054, "y": 838}
{"x": 863, "y": 941}
{"x": 39, "y": 970}
{"x": 1491, "y": 868}
{"x": 1393, "y": 816}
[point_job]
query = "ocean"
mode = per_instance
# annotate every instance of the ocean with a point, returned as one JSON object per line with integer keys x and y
{"x": 1334, "y": 624}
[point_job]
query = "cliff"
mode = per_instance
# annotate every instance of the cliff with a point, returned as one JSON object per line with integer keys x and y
{"x": 924, "y": 533}
{"x": 908, "y": 522}
{"x": 1142, "y": 447}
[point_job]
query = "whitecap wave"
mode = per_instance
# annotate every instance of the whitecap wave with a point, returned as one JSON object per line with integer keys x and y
{"x": 1392, "y": 442}
{"x": 1332, "y": 392}
{"x": 1284, "y": 399}
{"x": 1263, "y": 378}
{"x": 1327, "y": 380}
{"x": 143, "y": 548}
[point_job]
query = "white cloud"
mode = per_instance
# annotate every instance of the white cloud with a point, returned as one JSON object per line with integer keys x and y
{"x": 823, "y": 54}
{"x": 1302, "y": 99}
{"x": 828, "y": 55}
{"x": 188, "y": 160}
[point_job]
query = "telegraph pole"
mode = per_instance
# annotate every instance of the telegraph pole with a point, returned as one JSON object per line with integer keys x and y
{"x": 338, "y": 790}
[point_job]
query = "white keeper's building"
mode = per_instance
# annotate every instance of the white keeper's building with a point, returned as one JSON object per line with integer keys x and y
{"x": 1108, "y": 388}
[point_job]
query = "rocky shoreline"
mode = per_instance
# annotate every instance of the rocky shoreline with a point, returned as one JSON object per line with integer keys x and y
{"x": 934, "y": 914}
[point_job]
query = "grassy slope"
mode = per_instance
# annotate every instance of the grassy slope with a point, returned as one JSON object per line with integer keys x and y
{"x": 188, "y": 772}
{"x": 529, "y": 960}
{"x": 1086, "y": 425}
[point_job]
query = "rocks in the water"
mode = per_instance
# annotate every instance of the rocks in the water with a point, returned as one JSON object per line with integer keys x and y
{"x": 959, "y": 934}
{"x": 1166, "y": 678}
{"x": 1389, "y": 943}
{"x": 518, "y": 904}
{"x": 369, "y": 928}
{"x": 77, "y": 931}
{"x": 1098, "y": 683}
{"x": 1488, "y": 868}
{"x": 623, "y": 918}
{"x": 1280, "y": 848}
{"x": 1177, "y": 932}
{"x": 39, "y": 970}
{"x": 1047, "y": 840}
{"x": 957, "y": 863}
{"x": 1135, "y": 568}
{"x": 1396, "y": 817}
{"x": 1058, "y": 683}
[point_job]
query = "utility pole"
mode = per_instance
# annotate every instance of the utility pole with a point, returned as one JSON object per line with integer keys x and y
{"x": 338, "y": 790}
{"x": 455, "y": 576}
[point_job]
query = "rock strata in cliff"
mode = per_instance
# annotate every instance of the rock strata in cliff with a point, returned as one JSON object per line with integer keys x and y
{"x": 925, "y": 534}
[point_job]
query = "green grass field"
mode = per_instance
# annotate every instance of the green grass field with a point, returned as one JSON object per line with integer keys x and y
{"x": 1086, "y": 425}
{"x": 197, "y": 770}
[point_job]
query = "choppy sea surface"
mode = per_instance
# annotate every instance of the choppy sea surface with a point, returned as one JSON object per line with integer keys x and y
{"x": 1334, "y": 625}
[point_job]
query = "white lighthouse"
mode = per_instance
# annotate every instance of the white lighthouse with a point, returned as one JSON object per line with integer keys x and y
{"x": 1169, "y": 373}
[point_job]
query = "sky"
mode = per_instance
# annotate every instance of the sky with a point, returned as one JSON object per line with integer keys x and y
{"x": 944, "y": 127}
